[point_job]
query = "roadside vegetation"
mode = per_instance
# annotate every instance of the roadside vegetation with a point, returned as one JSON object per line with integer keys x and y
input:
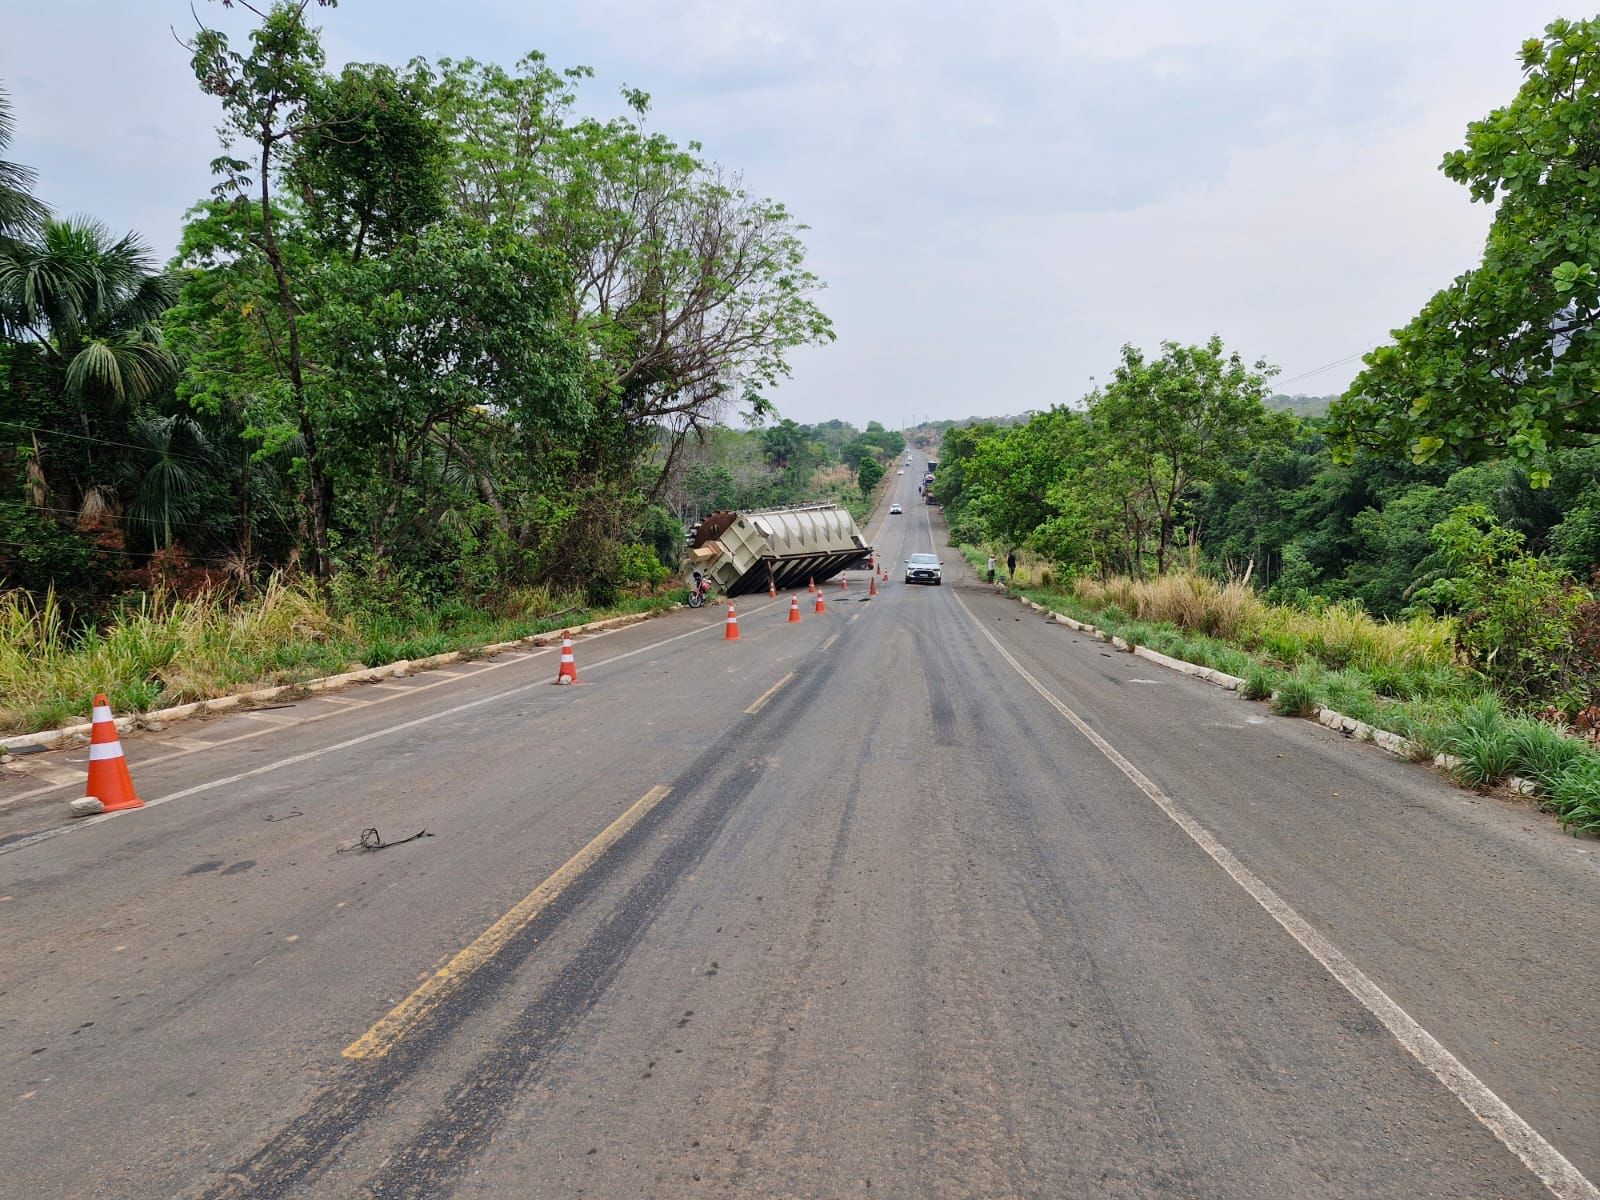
{"x": 1426, "y": 556}
{"x": 159, "y": 649}
{"x": 1402, "y": 676}
{"x": 439, "y": 359}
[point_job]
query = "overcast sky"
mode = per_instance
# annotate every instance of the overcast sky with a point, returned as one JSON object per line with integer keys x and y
{"x": 999, "y": 194}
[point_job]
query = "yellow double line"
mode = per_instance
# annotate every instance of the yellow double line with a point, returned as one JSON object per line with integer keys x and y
{"x": 448, "y": 979}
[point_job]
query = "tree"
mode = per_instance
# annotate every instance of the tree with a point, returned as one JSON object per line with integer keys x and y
{"x": 1506, "y": 360}
{"x": 447, "y": 327}
{"x": 1181, "y": 421}
{"x": 689, "y": 290}
{"x": 20, "y": 213}
{"x": 869, "y": 475}
{"x": 90, "y": 304}
{"x": 265, "y": 95}
{"x": 369, "y": 166}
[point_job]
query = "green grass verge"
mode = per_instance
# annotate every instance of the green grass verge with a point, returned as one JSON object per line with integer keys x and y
{"x": 1437, "y": 707}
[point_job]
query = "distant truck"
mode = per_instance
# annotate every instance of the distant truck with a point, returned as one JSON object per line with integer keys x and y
{"x": 741, "y": 552}
{"x": 933, "y": 465}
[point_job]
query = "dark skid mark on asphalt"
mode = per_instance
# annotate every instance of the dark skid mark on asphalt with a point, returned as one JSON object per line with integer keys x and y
{"x": 472, "y": 1111}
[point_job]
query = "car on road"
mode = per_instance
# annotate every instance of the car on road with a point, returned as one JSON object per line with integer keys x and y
{"x": 895, "y": 510}
{"x": 924, "y": 568}
{"x": 901, "y": 471}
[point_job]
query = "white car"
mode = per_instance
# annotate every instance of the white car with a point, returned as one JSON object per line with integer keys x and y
{"x": 924, "y": 568}
{"x": 901, "y": 471}
{"x": 895, "y": 510}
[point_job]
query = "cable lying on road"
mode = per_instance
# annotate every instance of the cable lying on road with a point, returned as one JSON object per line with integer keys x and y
{"x": 370, "y": 840}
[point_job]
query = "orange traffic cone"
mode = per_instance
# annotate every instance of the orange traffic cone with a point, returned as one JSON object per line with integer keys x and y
{"x": 108, "y": 769}
{"x": 811, "y": 585}
{"x": 772, "y": 589}
{"x": 569, "y": 666}
{"x": 843, "y": 583}
{"x": 872, "y": 588}
{"x": 821, "y": 607}
{"x": 731, "y": 630}
{"x": 794, "y": 610}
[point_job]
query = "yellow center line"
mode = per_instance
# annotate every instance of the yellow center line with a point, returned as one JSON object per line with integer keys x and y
{"x": 405, "y": 1016}
{"x": 768, "y": 695}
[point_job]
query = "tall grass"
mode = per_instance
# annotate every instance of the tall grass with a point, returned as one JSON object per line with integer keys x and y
{"x": 158, "y": 650}
{"x": 1336, "y": 636}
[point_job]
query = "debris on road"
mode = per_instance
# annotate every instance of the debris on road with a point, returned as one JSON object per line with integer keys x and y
{"x": 371, "y": 840}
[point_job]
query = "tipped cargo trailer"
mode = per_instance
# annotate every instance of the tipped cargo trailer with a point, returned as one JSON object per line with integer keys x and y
{"x": 742, "y": 551}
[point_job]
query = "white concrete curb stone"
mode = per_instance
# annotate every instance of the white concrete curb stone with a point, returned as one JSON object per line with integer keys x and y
{"x": 1384, "y": 739}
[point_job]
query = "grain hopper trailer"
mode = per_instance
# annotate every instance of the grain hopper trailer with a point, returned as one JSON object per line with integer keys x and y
{"x": 741, "y": 551}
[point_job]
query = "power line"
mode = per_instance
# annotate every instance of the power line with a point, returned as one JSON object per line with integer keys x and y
{"x": 83, "y": 437}
{"x": 1319, "y": 370}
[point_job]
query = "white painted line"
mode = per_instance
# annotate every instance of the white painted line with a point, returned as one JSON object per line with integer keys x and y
{"x": 1547, "y": 1163}
{"x": 309, "y": 755}
{"x": 341, "y": 705}
{"x": 831, "y": 640}
{"x": 767, "y": 695}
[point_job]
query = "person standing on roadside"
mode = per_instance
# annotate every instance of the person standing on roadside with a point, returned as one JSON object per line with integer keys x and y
{"x": 991, "y": 568}
{"x": 1011, "y": 566}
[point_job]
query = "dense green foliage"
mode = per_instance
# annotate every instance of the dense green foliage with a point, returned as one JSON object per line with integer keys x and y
{"x": 432, "y": 326}
{"x": 1259, "y": 496}
{"x": 784, "y": 463}
{"x": 1505, "y": 361}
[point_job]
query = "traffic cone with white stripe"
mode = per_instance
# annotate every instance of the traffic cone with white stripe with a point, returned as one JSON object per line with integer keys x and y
{"x": 811, "y": 585}
{"x": 843, "y": 583}
{"x": 772, "y": 588}
{"x": 821, "y": 607}
{"x": 109, "y": 780}
{"x": 794, "y": 610}
{"x": 731, "y": 630}
{"x": 569, "y": 665}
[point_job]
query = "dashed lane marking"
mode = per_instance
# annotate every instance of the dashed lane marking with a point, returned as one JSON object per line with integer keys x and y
{"x": 405, "y": 1016}
{"x": 767, "y": 695}
{"x": 1548, "y": 1164}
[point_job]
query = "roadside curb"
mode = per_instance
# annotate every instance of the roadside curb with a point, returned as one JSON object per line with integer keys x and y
{"x": 1394, "y": 743}
{"x": 69, "y": 735}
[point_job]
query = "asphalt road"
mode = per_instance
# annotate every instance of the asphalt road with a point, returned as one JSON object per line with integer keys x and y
{"x": 924, "y": 897}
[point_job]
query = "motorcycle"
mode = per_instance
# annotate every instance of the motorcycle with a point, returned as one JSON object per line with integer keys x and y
{"x": 699, "y": 590}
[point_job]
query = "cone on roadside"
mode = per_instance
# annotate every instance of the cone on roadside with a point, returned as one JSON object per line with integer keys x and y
{"x": 794, "y": 610}
{"x": 821, "y": 607}
{"x": 872, "y": 588}
{"x": 772, "y": 588}
{"x": 569, "y": 665}
{"x": 731, "y": 630}
{"x": 811, "y": 585}
{"x": 109, "y": 780}
{"x": 844, "y": 582}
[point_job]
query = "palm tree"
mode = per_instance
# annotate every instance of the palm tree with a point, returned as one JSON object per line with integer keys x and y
{"x": 90, "y": 303}
{"x": 20, "y": 213}
{"x": 166, "y": 475}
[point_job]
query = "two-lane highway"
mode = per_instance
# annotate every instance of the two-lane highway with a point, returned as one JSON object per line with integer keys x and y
{"x": 921, "y": 897}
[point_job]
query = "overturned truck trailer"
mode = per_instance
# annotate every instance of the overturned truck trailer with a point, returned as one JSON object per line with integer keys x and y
{"x": 741, "y": 551}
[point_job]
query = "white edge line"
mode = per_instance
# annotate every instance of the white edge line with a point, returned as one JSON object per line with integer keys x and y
{"x": 307, "y": 756}
{"x": 1548, "y": 1164}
